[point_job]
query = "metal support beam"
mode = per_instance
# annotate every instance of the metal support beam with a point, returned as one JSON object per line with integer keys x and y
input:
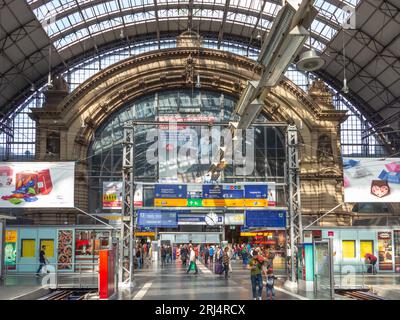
{"x": 127, "y": 239}
{"x": 190, "y": 15}
{"x": 126, "y": 254}
{"x": 222, "y": 27}
{"x": 294, "y": 224}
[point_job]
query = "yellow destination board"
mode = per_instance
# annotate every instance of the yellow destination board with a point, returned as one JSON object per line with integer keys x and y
{"x": 256, "y": 202}
{"x": 223, "y": 202}
{"x": 145, "y": 234}
{"x": 170, "y": 202}
{"x": 254, "y": 234}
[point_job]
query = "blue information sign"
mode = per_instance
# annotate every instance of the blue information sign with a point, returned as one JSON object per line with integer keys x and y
{"x": 212, "y": 191}
{"x": 195, "y": 219}
{"x": 232, "y": 191}
{"x": 170, "y": 191}
{"x": 266, "y": 218}
{"x": 256, "y": 191}
{"x": 157, "y": 218}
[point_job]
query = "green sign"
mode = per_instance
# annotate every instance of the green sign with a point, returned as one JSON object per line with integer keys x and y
{"x": 194, "y": 203}
{"x": 10, "y": 255}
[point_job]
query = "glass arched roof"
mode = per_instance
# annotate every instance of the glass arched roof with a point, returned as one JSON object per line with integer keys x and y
{"x": 68, "y": 22}
{"x": 44, "y": 35}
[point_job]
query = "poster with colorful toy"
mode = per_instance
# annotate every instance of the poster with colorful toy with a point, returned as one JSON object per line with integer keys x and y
{"x": 37, "y": 184}
{"x": 371, "y": 179}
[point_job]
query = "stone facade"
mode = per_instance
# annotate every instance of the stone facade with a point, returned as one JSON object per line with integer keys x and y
{"x": 74, "y": 118}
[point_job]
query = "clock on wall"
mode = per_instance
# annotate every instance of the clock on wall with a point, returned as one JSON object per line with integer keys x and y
{"x": 211, "y": 219}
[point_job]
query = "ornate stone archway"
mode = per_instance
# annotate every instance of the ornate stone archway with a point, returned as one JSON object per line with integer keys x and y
{"x": 75, "y": 117}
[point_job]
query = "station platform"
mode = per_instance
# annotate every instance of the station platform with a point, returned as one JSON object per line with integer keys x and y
{"x": 172, "y": 283}
{"x": 26, "y": 286}
{"x": 22, "y": 288}
{"x": 385, "y": 285}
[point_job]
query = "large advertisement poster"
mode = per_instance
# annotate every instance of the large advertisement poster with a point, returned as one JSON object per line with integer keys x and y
{"x": 385, "y": 250}
{"x": 10, "y": 249}
{"x": 112, "y": 194}
{"x": 64, "y": 249}
{"x": 371, "y": 179}
{"x": 37, "y": 184}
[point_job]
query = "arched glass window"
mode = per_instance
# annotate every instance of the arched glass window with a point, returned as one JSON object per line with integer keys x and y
{"x": 105, "y": 153}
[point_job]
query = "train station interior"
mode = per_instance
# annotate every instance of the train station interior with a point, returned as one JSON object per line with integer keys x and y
{"x": 199, "y": 149}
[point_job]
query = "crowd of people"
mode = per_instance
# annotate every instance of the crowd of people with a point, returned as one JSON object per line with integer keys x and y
{"x": 143, "y": 255}
{"x": 258, "y": 260}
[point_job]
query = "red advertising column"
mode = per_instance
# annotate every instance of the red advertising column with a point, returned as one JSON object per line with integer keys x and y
{"x": 106, "y": 273}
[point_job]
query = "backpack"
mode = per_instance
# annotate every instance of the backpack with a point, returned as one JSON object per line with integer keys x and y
{"x": 137, "y": 253}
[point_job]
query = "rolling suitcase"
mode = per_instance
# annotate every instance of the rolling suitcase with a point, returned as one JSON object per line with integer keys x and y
{"x": 218, "y": 267}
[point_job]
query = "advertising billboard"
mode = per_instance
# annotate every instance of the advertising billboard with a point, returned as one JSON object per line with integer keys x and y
{"x": 371, "y": 179}
{"x": 37, "y": 184}
{"x": 112, "y": 195}
{"x": 385, "y": 250}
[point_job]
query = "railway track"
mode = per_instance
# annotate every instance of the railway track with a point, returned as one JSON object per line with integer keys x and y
{"x": 66, "y": 295}
{"x": 359, "y": 295}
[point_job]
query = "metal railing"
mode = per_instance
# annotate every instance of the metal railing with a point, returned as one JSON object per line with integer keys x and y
{"x": 54, "y": 275}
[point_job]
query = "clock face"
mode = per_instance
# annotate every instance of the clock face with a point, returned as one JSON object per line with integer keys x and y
{"x": 211, "y": 219}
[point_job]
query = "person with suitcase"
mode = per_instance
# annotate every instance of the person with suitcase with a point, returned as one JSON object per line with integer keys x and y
{"x": 42, "y": 261}
{"x": 218, "y": 261}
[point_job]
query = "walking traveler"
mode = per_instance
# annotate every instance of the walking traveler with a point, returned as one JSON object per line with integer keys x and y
{"x": 163, "y": 255}
{"x": 184, "y": 255}
{"x": 226, "y": 261}
{"x": 212, "y": 250}
{"x": 192, "y": 264}
{"x": 256, "y": 266}
{"x": 270, "y": 284}
{"x": 206, "y": 254}
{"x": 42, "y": 260}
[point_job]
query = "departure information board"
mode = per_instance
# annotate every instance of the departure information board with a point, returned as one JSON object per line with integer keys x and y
{"x": 214, "y": 195}
{"x": 265, "y": 218}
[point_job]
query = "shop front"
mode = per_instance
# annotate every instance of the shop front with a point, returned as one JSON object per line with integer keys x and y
{"x": 68, "y": 249}
{"x": 269, "y": 241}
{"x": 88, "y": 243}
{"x": 351, "y": 244}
